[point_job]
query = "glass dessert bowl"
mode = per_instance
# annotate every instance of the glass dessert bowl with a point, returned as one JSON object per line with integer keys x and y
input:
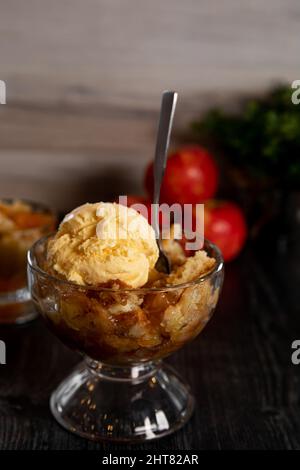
{"x": 21, "y": 224}
{"x": 122, "y": 391}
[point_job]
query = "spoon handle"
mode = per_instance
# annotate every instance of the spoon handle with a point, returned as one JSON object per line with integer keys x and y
{"x": 167, "y": 110}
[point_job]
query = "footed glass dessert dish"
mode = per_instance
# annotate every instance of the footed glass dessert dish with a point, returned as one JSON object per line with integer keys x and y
{"x": 21, "y": 224}
{"x": 122, "y": 390}
{"x": 128, "y": 404}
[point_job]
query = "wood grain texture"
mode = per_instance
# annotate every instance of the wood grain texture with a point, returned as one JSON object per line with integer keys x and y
{"x": 125, "y": 52}
{"x": 240, "y": 370}
{"x": 66, "y": 154}
{"x": 84, "y": 81}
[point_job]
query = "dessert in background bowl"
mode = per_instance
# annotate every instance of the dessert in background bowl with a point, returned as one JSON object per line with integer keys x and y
{"x": 21, "y": 224}
{"x": 96, "y": 285}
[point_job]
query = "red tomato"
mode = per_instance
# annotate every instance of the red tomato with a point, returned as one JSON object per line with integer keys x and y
{"x": 225, "y": 225}
{"x": 132, "y": 200}
{"x": 191, "y": 176}
{"x": 147, "y": 211}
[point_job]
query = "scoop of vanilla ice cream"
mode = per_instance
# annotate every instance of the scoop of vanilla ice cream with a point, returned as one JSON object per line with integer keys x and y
{"x": 102, "y": 242}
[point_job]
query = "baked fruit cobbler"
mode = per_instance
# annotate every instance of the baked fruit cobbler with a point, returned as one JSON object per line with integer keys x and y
{"x": 96, "y": 284}
{"x": 21, "y": 224}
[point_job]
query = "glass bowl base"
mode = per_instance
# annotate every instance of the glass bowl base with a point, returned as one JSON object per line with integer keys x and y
{"x": 122, "y": 404}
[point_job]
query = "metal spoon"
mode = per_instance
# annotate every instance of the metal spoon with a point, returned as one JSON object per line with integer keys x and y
{"x": 167, "y": 110}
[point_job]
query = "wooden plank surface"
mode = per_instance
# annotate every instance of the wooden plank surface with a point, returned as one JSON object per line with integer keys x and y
{"x": 125, "y": 52}
{"x": 84, "y": 81}
{"x": 67, "y": 154}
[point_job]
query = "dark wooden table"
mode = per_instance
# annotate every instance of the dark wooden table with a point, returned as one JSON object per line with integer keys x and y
{"x": 247, "y": 390}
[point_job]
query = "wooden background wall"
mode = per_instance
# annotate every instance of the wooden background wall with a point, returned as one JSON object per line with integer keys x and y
{"x": 84, "y": 79}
